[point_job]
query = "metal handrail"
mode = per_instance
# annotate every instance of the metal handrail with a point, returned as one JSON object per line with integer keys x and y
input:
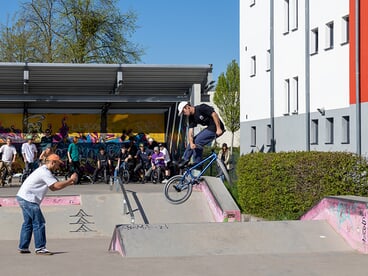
{"x": 126, "y": 201}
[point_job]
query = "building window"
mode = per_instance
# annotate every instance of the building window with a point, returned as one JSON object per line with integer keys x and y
{"x": 253, "y": 66}
{"x": 314, "y": 132}
{"x": 253, "y": 136}
{"x": 345, "y": 130}
{"x": 286, "y": 17}
{"x": 269, "y": 135}
{"x": 293, "y": 5}
{"x": 268, "y": 60}
{"x": 286, "y": 101}
{"x": 329, "y": 35}
{"x": 252, "y": 3}
{"x": 294, "y": 94}
{"x": 345, "y": 30}
{"x": 314, "y": 41}
{"x": 329, "y": 130}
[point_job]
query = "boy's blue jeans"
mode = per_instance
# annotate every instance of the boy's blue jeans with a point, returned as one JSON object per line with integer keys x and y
{"x": 201, "y": 139}
{"x": 33, "y": 222}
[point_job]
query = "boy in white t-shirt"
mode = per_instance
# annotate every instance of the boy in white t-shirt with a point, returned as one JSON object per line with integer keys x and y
{"x": 29, "y": 153}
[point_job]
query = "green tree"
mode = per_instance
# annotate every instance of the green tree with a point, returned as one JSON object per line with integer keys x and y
{"x": 227, "y": 98}
{"x": 76, "y": 31}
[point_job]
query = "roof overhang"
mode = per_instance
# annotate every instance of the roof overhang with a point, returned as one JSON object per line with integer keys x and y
{"x": 93, "y": 86}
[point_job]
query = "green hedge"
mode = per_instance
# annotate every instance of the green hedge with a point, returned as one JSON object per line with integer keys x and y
{"x": 283, "y": 186}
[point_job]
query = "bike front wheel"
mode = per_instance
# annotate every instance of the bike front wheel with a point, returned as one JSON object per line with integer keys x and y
{"x": 178, "y": 189}
{"x": 125, "y": 176}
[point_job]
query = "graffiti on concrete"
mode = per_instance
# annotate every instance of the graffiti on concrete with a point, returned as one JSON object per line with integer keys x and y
{"x": 82, "y": 222}
{"x": 144, "y": 227}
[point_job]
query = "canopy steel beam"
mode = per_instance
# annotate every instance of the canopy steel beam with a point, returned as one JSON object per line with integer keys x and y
{"x": 94, "y": 99}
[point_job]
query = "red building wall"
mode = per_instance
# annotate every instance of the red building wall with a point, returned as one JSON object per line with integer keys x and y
{"x": 363, "y": 51}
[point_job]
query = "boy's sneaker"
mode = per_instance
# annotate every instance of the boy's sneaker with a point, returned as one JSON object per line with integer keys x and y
{"x": 164, "y": 181}
{"x": 43, "y": 251}
{"x": 24, "y": 251}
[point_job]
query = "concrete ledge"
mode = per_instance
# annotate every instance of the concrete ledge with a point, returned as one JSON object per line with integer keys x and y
{"x": 221, "y": 202}
{"x": 347, "y": 215}
{"x": 243, "y": 238}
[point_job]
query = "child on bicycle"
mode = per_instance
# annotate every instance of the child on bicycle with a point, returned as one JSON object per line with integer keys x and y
{"x": 103, "y": 163}
{"x": 205, "y": 115}
{"x": 125, "y": 160}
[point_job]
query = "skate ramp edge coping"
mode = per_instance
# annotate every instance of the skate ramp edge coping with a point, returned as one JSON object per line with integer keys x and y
{"x": 221, "y": 203}
{"x": 347, "y": 215}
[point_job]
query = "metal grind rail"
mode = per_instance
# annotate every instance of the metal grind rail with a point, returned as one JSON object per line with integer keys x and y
{"x": 126, "y": 203}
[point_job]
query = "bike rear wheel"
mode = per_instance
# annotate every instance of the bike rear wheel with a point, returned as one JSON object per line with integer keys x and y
{"x": 178, "y": 189}
{"x": 223, "y": 171}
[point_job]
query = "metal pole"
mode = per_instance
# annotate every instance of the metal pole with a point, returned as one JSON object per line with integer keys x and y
{"x": 272, "y": 76}
{"x": 307, "y": 77}
{"x": 357, "y": 76}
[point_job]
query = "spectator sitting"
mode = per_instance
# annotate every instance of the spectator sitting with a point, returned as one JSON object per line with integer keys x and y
{"x": 143, "y": 162}
{"x": 157, "y": 163}
{"x": 103, "y": 162}
{"x": 124, "y": 160}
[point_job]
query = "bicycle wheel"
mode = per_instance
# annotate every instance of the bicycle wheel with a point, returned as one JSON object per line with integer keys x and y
{"x": 178, "y": 189}
{"x": 106, "y": 176}
{"x": 154, "y": 176}
{"x": 124, "y": 176}
{"x": 223, "y": 171}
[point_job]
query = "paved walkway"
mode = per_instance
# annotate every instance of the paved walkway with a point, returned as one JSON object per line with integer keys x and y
{"x": 254, "y": 248}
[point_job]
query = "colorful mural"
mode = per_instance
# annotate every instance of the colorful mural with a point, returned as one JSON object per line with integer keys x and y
{"x": 63, "y": 127}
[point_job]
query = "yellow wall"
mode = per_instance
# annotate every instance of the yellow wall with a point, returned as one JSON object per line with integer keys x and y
{"x": 64, "y": 126}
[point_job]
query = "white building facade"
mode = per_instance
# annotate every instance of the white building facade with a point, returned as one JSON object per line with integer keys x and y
{"x": 297, "y": 68}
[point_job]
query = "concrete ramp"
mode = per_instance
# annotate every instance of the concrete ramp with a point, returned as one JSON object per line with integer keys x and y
{"x": 69, "y": 217}
{"x": 204, "y": 239}
{"x": 347, "y": 215}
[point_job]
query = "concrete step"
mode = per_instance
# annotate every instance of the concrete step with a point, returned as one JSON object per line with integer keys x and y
{"x": 203, "y": 239}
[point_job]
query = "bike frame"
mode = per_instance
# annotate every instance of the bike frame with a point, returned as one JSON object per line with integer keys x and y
{"x": 189, "y": 171}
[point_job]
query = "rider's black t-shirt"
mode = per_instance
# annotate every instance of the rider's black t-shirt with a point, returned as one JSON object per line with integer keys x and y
{"x": 203, "y": 116}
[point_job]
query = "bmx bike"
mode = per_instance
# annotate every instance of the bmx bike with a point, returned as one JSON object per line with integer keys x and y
{"x": 179, "y": 187}
{"x": 124, "y": 173}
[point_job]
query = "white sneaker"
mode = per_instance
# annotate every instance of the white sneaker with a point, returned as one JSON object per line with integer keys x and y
{"x": 43, "y": 251}
{"x": 164, "y": 181}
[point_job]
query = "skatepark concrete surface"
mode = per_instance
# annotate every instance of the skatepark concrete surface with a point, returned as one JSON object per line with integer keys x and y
{"x": 168, "y": 239}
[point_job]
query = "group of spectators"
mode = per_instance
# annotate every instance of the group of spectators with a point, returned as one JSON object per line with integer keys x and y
{"x": 29, "y": 154}
{"x": 140, "y": 161}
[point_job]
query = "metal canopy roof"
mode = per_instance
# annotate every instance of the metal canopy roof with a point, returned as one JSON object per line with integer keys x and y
{"x": 91, "y": 86}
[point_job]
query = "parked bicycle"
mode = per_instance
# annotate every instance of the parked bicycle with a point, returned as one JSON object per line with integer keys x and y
{"x": 179, "y": 187}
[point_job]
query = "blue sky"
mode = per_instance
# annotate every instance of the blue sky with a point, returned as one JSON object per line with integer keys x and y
{"x": 192, "y": 32}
